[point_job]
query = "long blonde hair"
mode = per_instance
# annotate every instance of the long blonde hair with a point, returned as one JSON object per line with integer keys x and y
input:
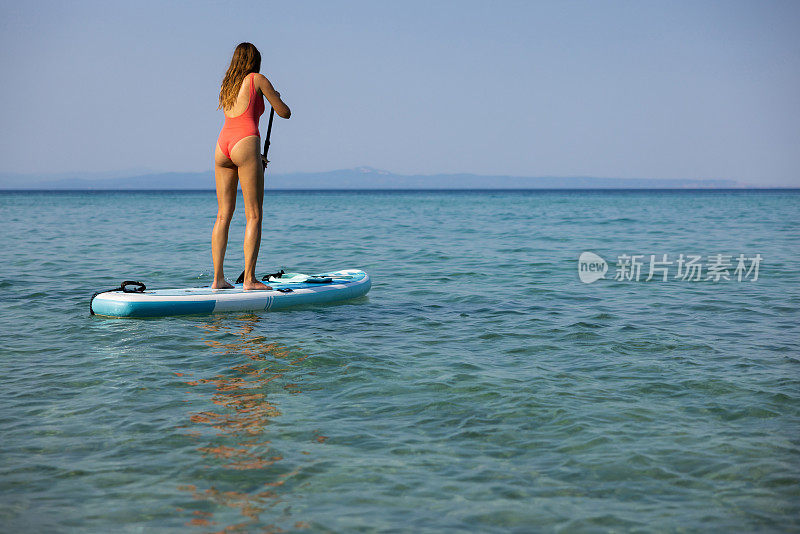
{"x": 246, "y": 59}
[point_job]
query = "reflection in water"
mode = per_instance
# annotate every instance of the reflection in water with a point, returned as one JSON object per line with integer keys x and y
{"x": 239, "y": 425}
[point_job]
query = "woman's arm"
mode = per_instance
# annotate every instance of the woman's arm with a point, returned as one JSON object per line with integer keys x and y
{"x": 272, "y": 96}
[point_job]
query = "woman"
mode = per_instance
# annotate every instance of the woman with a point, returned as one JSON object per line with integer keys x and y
{"x": 238, "y": 160}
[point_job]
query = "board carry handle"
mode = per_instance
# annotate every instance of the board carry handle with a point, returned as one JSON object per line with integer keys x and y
{"x": 140, "y": 287}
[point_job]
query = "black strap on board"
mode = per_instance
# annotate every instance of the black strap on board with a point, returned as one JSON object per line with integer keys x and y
{"x": 277, "y": 275}
{"x": 264, "y": 278}
{"x": 318, "y": 280}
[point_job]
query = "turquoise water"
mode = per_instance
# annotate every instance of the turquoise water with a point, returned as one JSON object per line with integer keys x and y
{"x": 480, "y": 385}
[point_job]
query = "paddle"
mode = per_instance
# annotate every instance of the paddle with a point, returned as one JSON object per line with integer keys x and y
{"x": 264, "y": 159}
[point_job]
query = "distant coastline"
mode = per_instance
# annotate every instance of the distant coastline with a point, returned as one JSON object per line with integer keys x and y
{"x": 361, "y": 178}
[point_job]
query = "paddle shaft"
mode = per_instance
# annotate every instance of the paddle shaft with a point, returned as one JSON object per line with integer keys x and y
{"x": 269, "y": 132}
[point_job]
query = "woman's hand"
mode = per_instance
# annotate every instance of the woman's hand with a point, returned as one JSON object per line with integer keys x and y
{"x": 264, "y": 161}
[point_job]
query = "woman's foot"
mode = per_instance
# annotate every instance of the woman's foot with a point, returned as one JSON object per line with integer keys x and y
{"x": 224, "y": 284}
{"x": 255, "y": 285}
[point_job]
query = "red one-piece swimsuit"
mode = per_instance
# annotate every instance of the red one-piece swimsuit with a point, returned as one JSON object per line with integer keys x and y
{"x": 237, "y": 128}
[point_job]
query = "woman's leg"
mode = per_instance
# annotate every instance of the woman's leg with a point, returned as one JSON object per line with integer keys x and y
{"x": 246, "y": 154}
{"x": 226, "y": 176}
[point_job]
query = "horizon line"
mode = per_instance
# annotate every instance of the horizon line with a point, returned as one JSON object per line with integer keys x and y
{"x": 405, "y": 189}
{"x": 364, "y": 169}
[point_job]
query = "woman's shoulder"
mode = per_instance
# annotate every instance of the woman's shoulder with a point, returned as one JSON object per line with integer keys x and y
{"x": 261, "y": 82}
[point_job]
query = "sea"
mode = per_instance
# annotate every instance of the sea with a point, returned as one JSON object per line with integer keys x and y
{"x": 526, "y": 361}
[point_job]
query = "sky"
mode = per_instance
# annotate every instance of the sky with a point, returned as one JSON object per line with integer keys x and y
{"x": 639, "y": 89}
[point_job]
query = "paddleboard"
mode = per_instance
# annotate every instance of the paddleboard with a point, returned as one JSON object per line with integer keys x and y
{"x": 291, "y": 289}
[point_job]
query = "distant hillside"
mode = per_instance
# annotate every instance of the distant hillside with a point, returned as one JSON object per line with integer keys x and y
{"x": 359, "y": 178}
